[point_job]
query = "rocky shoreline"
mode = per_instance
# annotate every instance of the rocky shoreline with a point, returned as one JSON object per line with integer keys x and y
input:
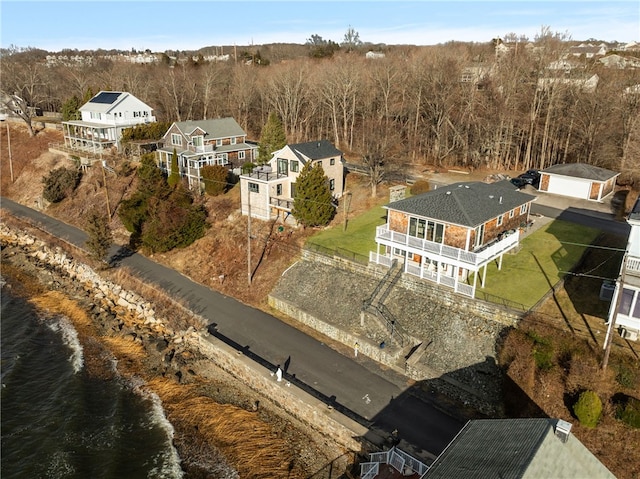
{"x": 199, "y": 382}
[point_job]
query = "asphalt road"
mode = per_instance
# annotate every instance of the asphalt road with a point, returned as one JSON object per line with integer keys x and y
{"x": 375, "y": 397}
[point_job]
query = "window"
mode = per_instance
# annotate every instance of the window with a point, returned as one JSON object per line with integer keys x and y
{"x": 523, "y": 209}
{"x": 332, "y": 184}
{"x": 293, "y": 190}
{"x": 219, "y": 142}
{"x": 636, "y": 309}
{"x": 222, "y": 159}
{"x": 176, "y": 139}
{"x": 500, "y": 219}
{"x": 241, "y": 155}
{"x": 283, "y": 166}
{"x": 332, "y": 161}
{"x": 625, "y": 301}
{"x": 197, "y": 141}
{"x": 136, "y": 114}
{"x": 254, "y": 188}
{"x": 511, "y": 213}
{"x": 429, "y": 230}
{"x": 233, "y": 140}
{"x": 95, "y": 115}
{"x": 294, "y": 166}
{"x": 279, "y": 189}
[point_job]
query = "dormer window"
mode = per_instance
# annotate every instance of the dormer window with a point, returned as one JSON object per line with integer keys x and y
{"x": 219, "y": 142}
{"x": 233, "y": 140}
{"x": 176, "y": 140}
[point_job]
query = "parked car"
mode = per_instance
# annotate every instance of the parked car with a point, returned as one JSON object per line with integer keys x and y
{"x": 518, "y": 182}
{"x": 532, "y": 177}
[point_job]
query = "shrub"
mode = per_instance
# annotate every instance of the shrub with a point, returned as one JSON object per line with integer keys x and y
{"x": 628, "y": 412}
{"x": 542, "y": 351}
{"x": 588, "y": 409}
{"x": 248, "y": 167}
{"x": 627, "y": 375}
{"x": 419, "y": 187}
{"x": 215, "y": 178}
{"x": 60, "y": 183}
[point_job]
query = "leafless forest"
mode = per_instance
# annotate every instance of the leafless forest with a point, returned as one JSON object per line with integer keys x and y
{"x": 409, "y": 107}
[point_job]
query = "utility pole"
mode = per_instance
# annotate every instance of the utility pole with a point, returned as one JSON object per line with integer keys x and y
{"x": 106, "y": 190}
{"x": 612, "y": 321}
{"x": 248, "y": 236}
{"x": 9, "y": 148}
{"x": 347, "y": 204}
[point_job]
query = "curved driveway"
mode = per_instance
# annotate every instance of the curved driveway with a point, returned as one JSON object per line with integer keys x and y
{"x": 375, "y": 397}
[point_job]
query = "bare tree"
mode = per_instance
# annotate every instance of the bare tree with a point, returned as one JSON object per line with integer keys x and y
{"x": 23, "y": 85}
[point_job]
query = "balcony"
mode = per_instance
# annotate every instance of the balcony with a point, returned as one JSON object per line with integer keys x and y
{"x": 471, "y": 260}
{"x": 202, "y": 149}
{"x": 285, "y": 204}
{"x": 633, "y": 266}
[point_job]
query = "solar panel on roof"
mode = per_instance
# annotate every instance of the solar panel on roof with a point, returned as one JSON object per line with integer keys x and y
{"x": 105, "y": 97}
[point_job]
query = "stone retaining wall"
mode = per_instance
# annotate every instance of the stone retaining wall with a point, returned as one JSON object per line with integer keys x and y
{"x": 116, "y": 301}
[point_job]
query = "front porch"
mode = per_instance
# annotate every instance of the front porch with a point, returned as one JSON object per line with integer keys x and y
{"x": 438, "y": 262}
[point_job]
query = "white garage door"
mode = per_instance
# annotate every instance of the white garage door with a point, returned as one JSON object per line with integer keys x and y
{"x": 562, "y": 185}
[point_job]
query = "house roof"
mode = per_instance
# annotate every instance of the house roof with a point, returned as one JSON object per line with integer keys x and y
{"x": 468, "y": 204}
{"x": 314, "y": 150}
{"x": 514, "y": 449}
{"x": 215, "y": 128}
{"x": 581, "y": 170}
{"x": 107, "y": 101}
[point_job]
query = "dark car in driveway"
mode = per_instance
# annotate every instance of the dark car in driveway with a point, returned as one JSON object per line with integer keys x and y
{"x": 531, "y": 177}
{"x": 518, "y": 182}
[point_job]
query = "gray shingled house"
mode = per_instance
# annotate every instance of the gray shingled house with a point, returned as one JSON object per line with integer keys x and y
{"x": 447, "y": 233}
{"x": 220, "y": 141}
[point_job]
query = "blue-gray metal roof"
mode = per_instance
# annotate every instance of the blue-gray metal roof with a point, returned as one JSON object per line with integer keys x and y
{"x": 581, "y": 170}
{"x": 467, "y": 204}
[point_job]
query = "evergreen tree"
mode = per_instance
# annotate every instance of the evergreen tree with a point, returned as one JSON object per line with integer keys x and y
{"x": 174, "y": 176}
{"x": 273, "y": 138}
{"x": 215, "y": 179}
{"x": 100, "y": 235}
{"x": 312, "y": 204}
{"x": 70, "y": 109}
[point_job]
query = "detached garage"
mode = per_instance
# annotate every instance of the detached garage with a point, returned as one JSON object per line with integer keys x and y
{"x": 578, "y": 180}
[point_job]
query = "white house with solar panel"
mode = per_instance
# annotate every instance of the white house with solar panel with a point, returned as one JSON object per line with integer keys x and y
{"x": 103, "y": 119}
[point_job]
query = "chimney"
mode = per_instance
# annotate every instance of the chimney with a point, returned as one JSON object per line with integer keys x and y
{"x": 563, "y": 430}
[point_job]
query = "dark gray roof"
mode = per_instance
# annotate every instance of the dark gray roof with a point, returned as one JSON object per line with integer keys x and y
{"x": 314, "y": 150}
{"x": 515, "y": 449}
{"x": 467, "y": 204}
{"x": 581, "y": 170}
{"x": 216, "y": 128}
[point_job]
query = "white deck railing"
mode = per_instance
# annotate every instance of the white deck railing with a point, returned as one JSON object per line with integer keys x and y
{"x": 398, "y": 459}
{"x": 439, "y": 251}
{"x": 633, "y": 265}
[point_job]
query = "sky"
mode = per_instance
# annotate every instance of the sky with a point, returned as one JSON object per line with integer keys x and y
{"x": 161, "y": 25}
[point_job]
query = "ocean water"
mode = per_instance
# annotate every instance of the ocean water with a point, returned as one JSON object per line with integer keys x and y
{"x": 59, "y": 422}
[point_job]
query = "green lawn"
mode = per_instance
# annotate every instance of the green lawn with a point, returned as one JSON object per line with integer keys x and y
{"x": 359, "y": 236}
{"x": 544, "y": 258}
